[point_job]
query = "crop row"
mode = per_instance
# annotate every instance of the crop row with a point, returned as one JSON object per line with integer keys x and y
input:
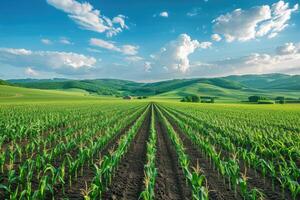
{"x": 278, "y": 164}
{"x": 46, "y": 170}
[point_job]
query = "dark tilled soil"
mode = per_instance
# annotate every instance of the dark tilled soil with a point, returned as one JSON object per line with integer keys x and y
{"x": 85, "y": 179}
{"x": 170, "y": 181}
{"x": 217, "y": 188}
{"x": 128, "y": 181}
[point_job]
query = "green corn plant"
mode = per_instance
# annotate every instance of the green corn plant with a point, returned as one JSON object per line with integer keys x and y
{"x": 149, "y": 170}
{"x": 2, "y": 161}
{"x": 108, "y": 164}
{"x": 256, "y": 194}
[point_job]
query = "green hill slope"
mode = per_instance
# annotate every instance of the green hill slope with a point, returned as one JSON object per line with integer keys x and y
{"x": 268, "y": 81}
{"x": 226, "y": 88}
{"x": 2, "y": 82}
{"x": 224, "y": 94}
{"x": 10, "y": 94}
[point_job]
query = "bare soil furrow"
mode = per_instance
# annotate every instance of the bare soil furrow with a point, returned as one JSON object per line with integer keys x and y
{"x": 170, "y": 181}
{"x": 128, "y": 180}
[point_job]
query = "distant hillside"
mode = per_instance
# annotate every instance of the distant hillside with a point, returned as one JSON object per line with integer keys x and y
{"x": 228, "y": 88}
{"x": 268, "y": 81}
{"x": 2, "y": 82}
{"x": 12, "y": 93}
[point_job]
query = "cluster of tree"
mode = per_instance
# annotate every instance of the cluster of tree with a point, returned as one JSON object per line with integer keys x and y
{"x": 279, "y": 99}
{"x": 190, "y": 98}
{"x": 142, "y": 97}
{"x": 257, "y": 98}
{"x": 195, "y": 98}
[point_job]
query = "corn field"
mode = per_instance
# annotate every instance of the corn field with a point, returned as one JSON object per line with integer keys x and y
{"x": 147, "y": 150}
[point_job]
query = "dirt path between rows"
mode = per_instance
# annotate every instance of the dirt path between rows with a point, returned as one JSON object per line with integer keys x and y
{"x": 128, "y": 181}
{"x": 170, "y": 181}
{"x": 217, "y": 189}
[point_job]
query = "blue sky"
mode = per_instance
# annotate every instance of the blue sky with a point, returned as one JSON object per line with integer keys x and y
{"x": 147, "y": 40}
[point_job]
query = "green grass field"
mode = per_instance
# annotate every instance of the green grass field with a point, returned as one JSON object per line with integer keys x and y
{"x": 11, "y": 94}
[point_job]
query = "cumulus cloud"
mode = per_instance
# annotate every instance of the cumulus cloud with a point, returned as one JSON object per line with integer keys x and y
{"x": 46, "y": 41}
{"x": 133, "y": 58}
{"x": 125, "y": 49}
{"x": 259, "y": 21}
{"x": 286, "y": 58}
{"x": 103, "y": 44}
{"x": 164, "y": 14}
{"x": 147, "y": 66}
{"x": 175, "y": 55}
{"x": 288, "y": 48}
{"x": 129, "y": 49}
{"x": 20, "y": 52}
{"x": 89, "y": 18}
{"x": 216, "y": 37}
{"x": 60, "y": 62}
{"x": 65, "y": 41}
{"x": 31, "y": 72}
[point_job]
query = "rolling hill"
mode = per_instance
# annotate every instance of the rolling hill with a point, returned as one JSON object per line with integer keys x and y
{"x": 230, "y": 88}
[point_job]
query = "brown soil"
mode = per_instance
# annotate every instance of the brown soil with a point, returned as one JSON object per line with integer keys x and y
{"x": 128, "y": 180}
{"x": 217, "y": 188}
{"x": 170, "y": 180}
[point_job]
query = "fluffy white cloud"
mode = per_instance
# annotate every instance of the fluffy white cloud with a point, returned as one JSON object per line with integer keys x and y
{"x": 288, "y": 48}
{"x": 65, "y": 41}
{"x": 147, "y": 66}
{"x": 19, "y": 52}
{"x": 103, "y": 44}
{"x": 175, "y": 55}
{"x": 133, "y": 58}
{"x": 120, "y": 19}
{"x": 89, "y": 18}
{"x": 243, "y": 25}
{"x": 129, "y": 49}
{"x": 31, "y": 72}
{"x": 286, "y": 59}
{"x": 204, "y": 45}
{"x": 125, "y": 49}
{"x": 46, "y": 41}
{"x": 216, "y": 37}
{"x": 164, "y": 14}
{"x": 60, "y": 62}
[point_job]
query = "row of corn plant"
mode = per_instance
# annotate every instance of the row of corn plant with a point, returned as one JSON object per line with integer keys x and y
{"x": 71, "y": 167}
{"x": 228, "y": 169}
{"x": 150, "y": 170}
{"x": 284, "y": 172}
{"x": 37, "y": 169}
{"x": 106, "y": 167}
{"x": 194, "y": 177}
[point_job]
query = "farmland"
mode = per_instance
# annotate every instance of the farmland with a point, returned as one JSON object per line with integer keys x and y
{"x": 113, "y": 149}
